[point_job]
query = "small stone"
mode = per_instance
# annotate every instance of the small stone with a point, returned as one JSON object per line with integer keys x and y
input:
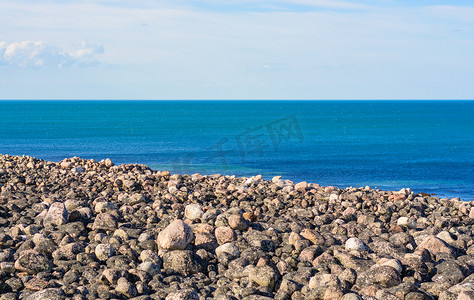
{"x": 136, "y": 198}
{"x": 355, "y": 244}
{"x": 435, "y": 246}
{"x": 8, "y": 267}
{"x": 65, "y": 164}
{"x": 175, "y": 236}
{"x": 301, "y": 186}
{"x": 105, "y": 221}
{"x": 333, "y": 292}
{"x": 385, "y": 276}
{"x": 68, "y": 252}
{"x": 189, "y": 294}
{"x": 125, "y": 288}
{"x": 288, "y": 286}
{"x": 351, "y": 296}
{"x": 103, "y": 206}
{"x": 78, "y": 170}
{"x": 321, "y": 279}
{"x": 48, "y": 294}
{"x": 237, "y": 222}
{"x": 394, "y": 263}
{"x": 32, "y": 262}
{"x": 204, "y": 237}
{"x": 264, "y": 276}
{"x": 224, "y": 235}
{"x": 149, "y": 267}
{"x": 57, "y": 215}
{"x": 104, "y": 251}
{"x": 183, "y": 261}
{"x": 406, "y": 222}
{"x": 229, "y": 248}
{"x": 108, "y": 163}
{"x": 293, "y": 238}
{"x": 148, "y": 255}
{"x": 112, "y": 275}
{"x": 193, "y": 212}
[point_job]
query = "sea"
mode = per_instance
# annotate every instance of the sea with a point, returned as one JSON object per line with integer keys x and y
{"x": 427, "y": 146}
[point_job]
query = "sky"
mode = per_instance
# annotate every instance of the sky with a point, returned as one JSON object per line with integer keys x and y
{"x": 229, "y": 49}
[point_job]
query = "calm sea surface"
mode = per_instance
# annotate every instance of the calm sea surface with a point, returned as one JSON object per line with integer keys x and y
{"x": 425, "y": 145}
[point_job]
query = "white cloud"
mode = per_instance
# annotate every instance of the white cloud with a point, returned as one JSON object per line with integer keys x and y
{"x": 85, "y": 53}
{"x": 36, "y": 54}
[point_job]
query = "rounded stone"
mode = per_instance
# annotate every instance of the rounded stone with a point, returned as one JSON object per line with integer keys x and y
{"x": 32, "y": 262}
{"x": 175, "y": 236}
{"x": 225, "y": 234}
{"x": 351, "y": 296}
{"x": 355, "y": 244}
{"x": 237, "y": 222}
{"x": 193, "y": 211}
{"x": 103, "y": 251}
{"x": 404, "y": 221}
{"x": 229, "y": 248}
{"x": 183, "y": 261}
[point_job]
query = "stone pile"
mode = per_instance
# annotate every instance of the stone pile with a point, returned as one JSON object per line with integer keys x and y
{"x": 81, "y": 229}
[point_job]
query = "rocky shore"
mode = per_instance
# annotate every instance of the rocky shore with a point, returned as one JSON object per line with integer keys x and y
{"x": 81, "y": 229}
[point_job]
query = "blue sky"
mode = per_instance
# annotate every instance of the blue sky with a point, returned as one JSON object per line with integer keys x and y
{"x": 211, "y": 49}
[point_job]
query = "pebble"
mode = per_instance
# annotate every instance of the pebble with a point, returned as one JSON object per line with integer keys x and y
{"x": 193, "y": 212}
{"x": 228, "y": 248}
{"x": 104, "y": 251}
{"x": 56, "y": 215}
{"x": 176, "y": 236}
{"x": 355, "y": 244}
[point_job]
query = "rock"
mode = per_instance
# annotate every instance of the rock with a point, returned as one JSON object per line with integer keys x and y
{"x": 404, "y": 221}
{"x": 188, "y": 294}
{"x": 56, "y": 215}
{"x": 32, "y": 262}
{"x": 355, "y": 244}
{"x": 288, "y": 286}
{"x": 264, "y": 276}
{"x": 322, "y": 279}
{"x": 205, "y": 241}
{"x": 183, "y": 261}
{"x": 237, "y": 222}
{"x": 301, "y": 186}
{"x": 176, "y": 236}
{"x": 149, "y": 267}
{"x": 435, "y": 246}
{"x": 333, "y": 292}
{"x": 229, "y": 248}
{"x": 148, "y": 255}
{"x": 385, "y": 276}
{"x": 193, "y": 212}
{"x": 68, "y": 252}
{"x": 125, "y": 288}
{"x": 47, "y": 294}
{"x": 225, "y": 234}
{"x": 104, "y": 251}
{"x": 394, "y": 263}
{"x": 351, "y": 296}
{"x": 105, "y": 221}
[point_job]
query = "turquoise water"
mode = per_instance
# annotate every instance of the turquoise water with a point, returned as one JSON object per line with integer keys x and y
{"x": 425, "y": 145}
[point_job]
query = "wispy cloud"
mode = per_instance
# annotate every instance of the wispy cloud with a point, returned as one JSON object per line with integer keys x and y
{"x": 456, "y": 13}
{"x": 37, "y": 54}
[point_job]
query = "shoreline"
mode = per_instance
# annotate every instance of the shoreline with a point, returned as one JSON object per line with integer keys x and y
{"x": 83, "y": 229}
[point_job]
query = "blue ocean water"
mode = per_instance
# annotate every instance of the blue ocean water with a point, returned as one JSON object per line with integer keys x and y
{"x": 425, "y": 145}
